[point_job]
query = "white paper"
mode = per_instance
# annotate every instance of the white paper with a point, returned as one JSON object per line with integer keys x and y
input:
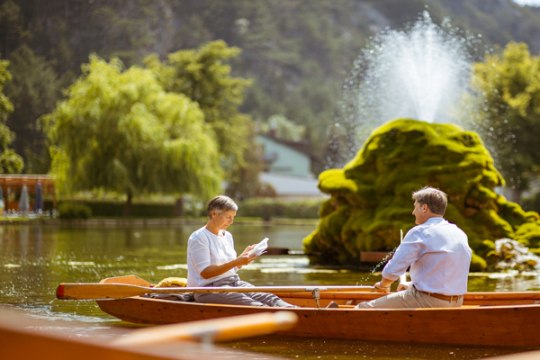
{"x": 260, "y": 248}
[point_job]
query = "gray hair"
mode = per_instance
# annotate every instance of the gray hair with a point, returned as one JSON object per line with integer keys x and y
{"x": 435, "y": 199}
{"x": 221, "y": 203}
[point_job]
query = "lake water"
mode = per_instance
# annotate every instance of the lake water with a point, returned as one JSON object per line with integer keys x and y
{"x": 34, "y": 259}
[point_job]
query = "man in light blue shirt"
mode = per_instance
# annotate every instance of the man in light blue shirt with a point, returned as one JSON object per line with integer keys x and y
{"x": 438, "y": 255}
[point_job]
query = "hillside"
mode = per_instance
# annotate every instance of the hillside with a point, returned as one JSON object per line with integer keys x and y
{"x": 298, "y": 52}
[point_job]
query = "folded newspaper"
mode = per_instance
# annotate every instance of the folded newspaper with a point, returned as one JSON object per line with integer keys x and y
{"x": 260, "y": 248}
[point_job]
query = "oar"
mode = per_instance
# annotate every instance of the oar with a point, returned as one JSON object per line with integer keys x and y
{"x": 224, "y": 329}
{"x": 403, "y": 277}
{"x": 94, "y": 291}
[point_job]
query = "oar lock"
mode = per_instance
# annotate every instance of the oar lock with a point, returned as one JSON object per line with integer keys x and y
{"x": 316, "y": 293}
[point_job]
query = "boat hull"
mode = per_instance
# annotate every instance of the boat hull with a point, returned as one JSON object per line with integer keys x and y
{"x": 507, "y": 325}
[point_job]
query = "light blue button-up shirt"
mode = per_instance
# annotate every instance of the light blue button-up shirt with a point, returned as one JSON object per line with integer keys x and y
{"x": 439, "y": 257}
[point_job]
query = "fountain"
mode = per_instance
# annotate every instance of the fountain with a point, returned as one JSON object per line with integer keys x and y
{"x": 417, "y": 77}
{"x": 419, "y": 73}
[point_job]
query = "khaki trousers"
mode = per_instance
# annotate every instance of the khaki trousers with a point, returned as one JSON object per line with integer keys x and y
{"x": 410, "y": 298}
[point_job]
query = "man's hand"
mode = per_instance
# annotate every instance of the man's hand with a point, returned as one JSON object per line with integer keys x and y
{"x": 381, "y": 287}
{"x": 404, "y": 285}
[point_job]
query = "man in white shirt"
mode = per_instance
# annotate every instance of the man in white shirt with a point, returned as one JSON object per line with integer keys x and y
{"x": 438, "y": 255}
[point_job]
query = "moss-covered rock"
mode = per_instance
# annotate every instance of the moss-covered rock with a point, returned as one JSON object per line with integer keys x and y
{"x": 371, "y": 196}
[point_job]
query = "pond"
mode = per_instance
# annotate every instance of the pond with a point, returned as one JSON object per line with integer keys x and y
{"x": 35, "y": 258}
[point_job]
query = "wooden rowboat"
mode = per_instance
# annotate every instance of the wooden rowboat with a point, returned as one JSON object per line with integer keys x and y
{"x": 485, "y": 319}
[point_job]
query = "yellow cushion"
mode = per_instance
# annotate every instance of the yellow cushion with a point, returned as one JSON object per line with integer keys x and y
{"x": 172, "y": 282}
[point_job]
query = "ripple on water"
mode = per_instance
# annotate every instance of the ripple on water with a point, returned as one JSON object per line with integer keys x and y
{"x": 298, "y": 271}
{"x": 44, "y": 319}
{"x": 297, "y": 261}
{"x": 81, "y": 263}
{"x": 12, "y": 266}
{"x": 172, "y": 267}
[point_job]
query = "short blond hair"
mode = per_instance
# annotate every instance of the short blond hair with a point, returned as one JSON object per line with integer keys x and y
{"x": 435, "y": 199}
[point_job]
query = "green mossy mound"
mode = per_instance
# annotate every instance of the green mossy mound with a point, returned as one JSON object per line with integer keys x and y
{"x": 371, "y": 196}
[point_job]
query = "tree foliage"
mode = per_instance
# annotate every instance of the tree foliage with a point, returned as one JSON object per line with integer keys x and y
{"x": 282, "y": 128}
{"x": 205, "y": 76}
{"x": 34, "y": 91}
{"x": 10, "y": 162}
{"x": 119, "y": 130}
{"x": 298, "y": 52}
{"x": 509, "y": 84}
{"x": 14, "y": 32}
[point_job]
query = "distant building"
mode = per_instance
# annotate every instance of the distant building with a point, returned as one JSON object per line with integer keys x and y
{"x": 288, "y": 168}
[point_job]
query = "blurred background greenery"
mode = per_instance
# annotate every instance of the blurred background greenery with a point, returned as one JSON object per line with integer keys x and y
{"x": 133, "y": 101}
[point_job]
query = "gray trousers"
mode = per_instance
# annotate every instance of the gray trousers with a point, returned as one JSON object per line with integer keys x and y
{"x": 251, "y": 299}
{"x": 410, "y": 298}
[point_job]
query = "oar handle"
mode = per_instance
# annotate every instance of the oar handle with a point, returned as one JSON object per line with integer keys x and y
{"x": 94, "y": 291}
{"x": 225, "y": 329}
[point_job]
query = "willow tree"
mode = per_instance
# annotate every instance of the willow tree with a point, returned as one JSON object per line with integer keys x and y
{"x": 10, "y": 162}
{"x": 205, "y": 76}
{"x": 119, "y": 130}
{"x": 509, "y": 84}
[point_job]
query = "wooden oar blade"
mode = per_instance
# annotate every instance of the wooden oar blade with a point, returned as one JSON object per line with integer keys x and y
{"x": 224, "y": 329}
{"x": 95, "y": 291}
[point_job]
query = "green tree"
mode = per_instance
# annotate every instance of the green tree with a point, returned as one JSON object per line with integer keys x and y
{"x": 119, "y": 130}
{"x": 244, "y": 181}
{"x": 282, "y": 128}
{"x": 10, "y": 162}
{"x": 204, "y": 76}
{"x": 12, "y": 28}
{"x": 509, "y": 85}
{"x": 34, "y": 91}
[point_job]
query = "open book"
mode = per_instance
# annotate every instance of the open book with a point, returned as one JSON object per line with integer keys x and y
{"x": 260, "y": 248}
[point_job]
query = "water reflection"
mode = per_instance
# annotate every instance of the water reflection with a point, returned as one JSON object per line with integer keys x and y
{"x": 34, "y": 259}
{"x": 315, "y": 349}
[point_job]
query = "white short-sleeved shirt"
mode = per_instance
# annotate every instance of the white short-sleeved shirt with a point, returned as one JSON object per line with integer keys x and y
{"x": 439, "y": 257}
{"x": 206, "y": 248}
